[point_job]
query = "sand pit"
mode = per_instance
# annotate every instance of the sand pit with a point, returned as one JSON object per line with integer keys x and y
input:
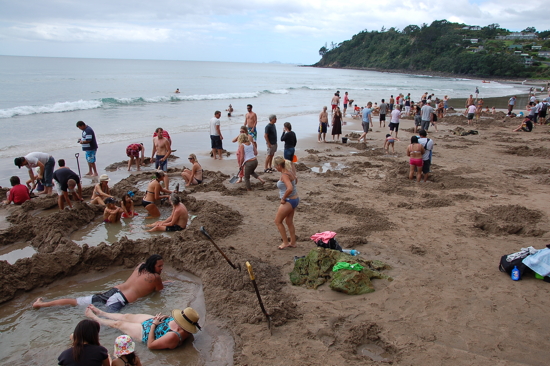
{"x": 447, "y": 303}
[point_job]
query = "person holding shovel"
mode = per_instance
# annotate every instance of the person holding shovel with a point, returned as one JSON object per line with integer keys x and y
{"x": 289, "y": 201}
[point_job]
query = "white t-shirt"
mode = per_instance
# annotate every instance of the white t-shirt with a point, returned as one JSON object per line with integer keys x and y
{"x": 213, "y": 123}
{"x": 35, "y": 157}
{"x": 427, "y": 147}
{"x": 395, "y": 114}
{"x": 472, "y": 109}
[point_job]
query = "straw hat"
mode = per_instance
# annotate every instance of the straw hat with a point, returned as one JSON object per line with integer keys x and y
{"x": 104, "y": 178}
{"x": 187, "y": 319}
{"x": 124, "y": 345}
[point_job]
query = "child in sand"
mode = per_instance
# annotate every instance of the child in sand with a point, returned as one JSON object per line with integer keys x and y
{"x": 390, "y": 140}
{"x": 127, "y": 206}
{"x": 112, "y": 212}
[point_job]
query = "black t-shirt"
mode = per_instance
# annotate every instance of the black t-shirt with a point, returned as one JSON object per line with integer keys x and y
{"x": 92, "y": 355}
{"x": 271, "y": 132}
{"x": 63, "y": 175}
{"x": 290, "y": 139}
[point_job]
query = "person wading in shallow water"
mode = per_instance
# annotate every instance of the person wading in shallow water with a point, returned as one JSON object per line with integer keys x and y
{"x": 144, "y": 280}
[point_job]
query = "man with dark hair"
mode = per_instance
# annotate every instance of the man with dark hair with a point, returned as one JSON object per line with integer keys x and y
{"x": 427, "y": 157}
{"x": 251, "y": 121}
{"x": 89, "y": 146}
{"x": 66, "y": 182}
{"x": 41, "y": 160}
{"x": 144, "y": 279}
{"x": 18, "y": 194}
{"x": 216, "y": 136}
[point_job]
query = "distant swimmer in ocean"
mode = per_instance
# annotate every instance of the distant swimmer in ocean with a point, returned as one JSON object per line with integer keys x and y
{"x": 229, "y": 110}
{"x": 177, "y": 91}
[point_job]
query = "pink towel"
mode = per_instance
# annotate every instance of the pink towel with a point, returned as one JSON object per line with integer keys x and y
{"x": 325, "y": 236}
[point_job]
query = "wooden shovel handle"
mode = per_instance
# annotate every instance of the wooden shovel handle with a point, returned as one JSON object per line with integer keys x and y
{"x": 250, "y": 271}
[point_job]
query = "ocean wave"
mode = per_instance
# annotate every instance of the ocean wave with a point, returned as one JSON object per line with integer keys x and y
{"x": 114, "y": 102}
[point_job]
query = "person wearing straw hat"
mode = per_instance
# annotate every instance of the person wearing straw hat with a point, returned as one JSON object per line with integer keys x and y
{"x": 101, "y": 191}
{"x": 157, "y": 332}
{"x": 124, "y": 352}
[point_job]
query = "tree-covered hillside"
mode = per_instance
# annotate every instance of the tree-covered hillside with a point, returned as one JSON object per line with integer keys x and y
{"x": 444, "y": 47}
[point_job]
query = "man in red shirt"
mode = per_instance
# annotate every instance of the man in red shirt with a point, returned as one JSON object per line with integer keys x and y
{"x": 18, "y": 192}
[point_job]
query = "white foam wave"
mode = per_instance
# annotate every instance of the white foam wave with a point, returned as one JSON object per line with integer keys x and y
{"x": 50, "y": 108}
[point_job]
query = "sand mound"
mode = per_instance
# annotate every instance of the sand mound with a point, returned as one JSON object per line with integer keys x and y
{"x": 509, "y": 219}
{"x": 524, "y": 150}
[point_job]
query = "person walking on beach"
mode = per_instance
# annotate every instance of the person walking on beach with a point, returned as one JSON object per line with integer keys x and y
{"x": 216, "y": 136}
{"x": 511, "y": 104}
{"x": 366, "y": 122}
{"x": 41, "y": 160}
{"x": 162, "y": 148}
{"x": 392, "y": 102}
{"x": 415, "y": 152}
{"x": 477, "y": 92}
{"x": 323, "y": 125}
{"x": 144, "y": 280}
{"x": 270, "y": 137}
{"x": 89, "y": 146}
{"x": 242, "y": 130}
{"x": 384, "y": 107}
{"x": 289, "y": 201}
{"x": 66, "y": 182}
{"x": 177, "y": 221}
{"x": 251, "y": 121}
{"x": 346, "y": 101}
{"x": 335, "y": 102}
{"x": 394, "y": 124}
{"x": 427, "y": 116}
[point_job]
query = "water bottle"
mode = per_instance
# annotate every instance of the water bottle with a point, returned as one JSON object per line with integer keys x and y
{"x": 515, "y": 274}
{"x": 351, "y": 251}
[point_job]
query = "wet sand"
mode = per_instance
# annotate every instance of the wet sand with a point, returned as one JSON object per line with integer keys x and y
{"x": 447, "y": 304}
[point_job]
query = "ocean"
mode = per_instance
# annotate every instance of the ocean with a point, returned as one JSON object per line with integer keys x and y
{"x": 125, "y": 100}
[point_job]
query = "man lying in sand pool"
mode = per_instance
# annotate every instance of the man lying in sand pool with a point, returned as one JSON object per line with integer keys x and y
{"x": 144, "y": 280}
{"x": 157, "y": 332}
{"x": 177, "y": 220}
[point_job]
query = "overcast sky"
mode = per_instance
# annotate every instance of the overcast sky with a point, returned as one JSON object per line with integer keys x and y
{"x": 290, "y": 31}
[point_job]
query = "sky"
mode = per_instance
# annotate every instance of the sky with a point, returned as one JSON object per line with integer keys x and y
{"x": 288, "y": 31}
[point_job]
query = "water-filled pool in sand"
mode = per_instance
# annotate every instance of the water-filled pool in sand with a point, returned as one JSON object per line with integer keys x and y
{"x": 11, "y": 253}
{"x": 37, "y": 337}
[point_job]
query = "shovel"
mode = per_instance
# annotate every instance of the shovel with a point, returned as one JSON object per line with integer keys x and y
{"x": 236, "y": 176}
{"x": 253, "y": 279}
{"x": 203, "y": 231}
{"x": 78, "y": 164}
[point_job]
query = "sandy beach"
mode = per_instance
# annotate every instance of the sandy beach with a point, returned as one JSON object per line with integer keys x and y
{"x": 447, "y": 302}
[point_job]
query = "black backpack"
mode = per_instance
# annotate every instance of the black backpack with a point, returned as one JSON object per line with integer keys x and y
{"x": 507, "y": 267}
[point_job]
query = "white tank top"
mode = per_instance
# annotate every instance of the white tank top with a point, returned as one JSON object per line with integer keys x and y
{"x": 248, "y": 152}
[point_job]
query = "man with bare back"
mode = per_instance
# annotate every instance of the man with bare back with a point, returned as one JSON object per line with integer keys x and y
{"x": 162, "y": 148}
{"x": 335, "y": 102}
{"x": 144, "y": 279}
{"x": 177, "y": 220}
{"x": 250, "y": 121}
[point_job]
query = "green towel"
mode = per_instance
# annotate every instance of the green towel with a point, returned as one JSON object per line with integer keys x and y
{"x": 344, "y": 265}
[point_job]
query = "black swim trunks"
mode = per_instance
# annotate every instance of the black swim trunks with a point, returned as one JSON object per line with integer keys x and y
{"x": 174, "y": 228}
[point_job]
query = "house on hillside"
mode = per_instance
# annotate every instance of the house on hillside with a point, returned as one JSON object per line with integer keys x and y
{"x": 515, "y": 47}
{"x": 518, "y": 36}
{"x": 536, "y": 47}
{"x": 544, "y": 54}
{"x": 472, "y": 27}
{"x": 473, "y": 40}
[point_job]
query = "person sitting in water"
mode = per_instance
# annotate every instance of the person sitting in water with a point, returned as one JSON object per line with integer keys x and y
{"x": 127, "y": 205}
{"x": 85, "y": 349}
{"x": 112, "y": 212}
{"x": 193, "y": 176}
{"x": 101, "y": 191}
{"x": 125, "y": 352}
{"x": 153, "y": 193}
{"x": 177, "y": 220}
{"x": 157, "y": 332}
{"x": 144, "y": 279}
{"x": 177, "y": 91}
{"x": 525, "y": 126}
{"x": 18, "y": 194}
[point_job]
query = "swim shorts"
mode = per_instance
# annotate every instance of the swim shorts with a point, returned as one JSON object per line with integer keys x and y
{"x": 174, "y": 228}
{"x": 471, "y": 116}
{"x": 253, "y": 132}
{"x": 426, "y": 166}
{"x": 162, "y": 165}
{"x": 366, "y": 127}
{"x": 90, "y": 156}
{"x": 216, "y": 142}
{"x": 113, "y": 299}
{"x": 382, "y": 117}
{"x": 272, "y": 150}
{"x": 133, "y": 150}
{"x": 322, "y": 127}
{"x": 415, "y": 162}
{"x": 394, "y": 126}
